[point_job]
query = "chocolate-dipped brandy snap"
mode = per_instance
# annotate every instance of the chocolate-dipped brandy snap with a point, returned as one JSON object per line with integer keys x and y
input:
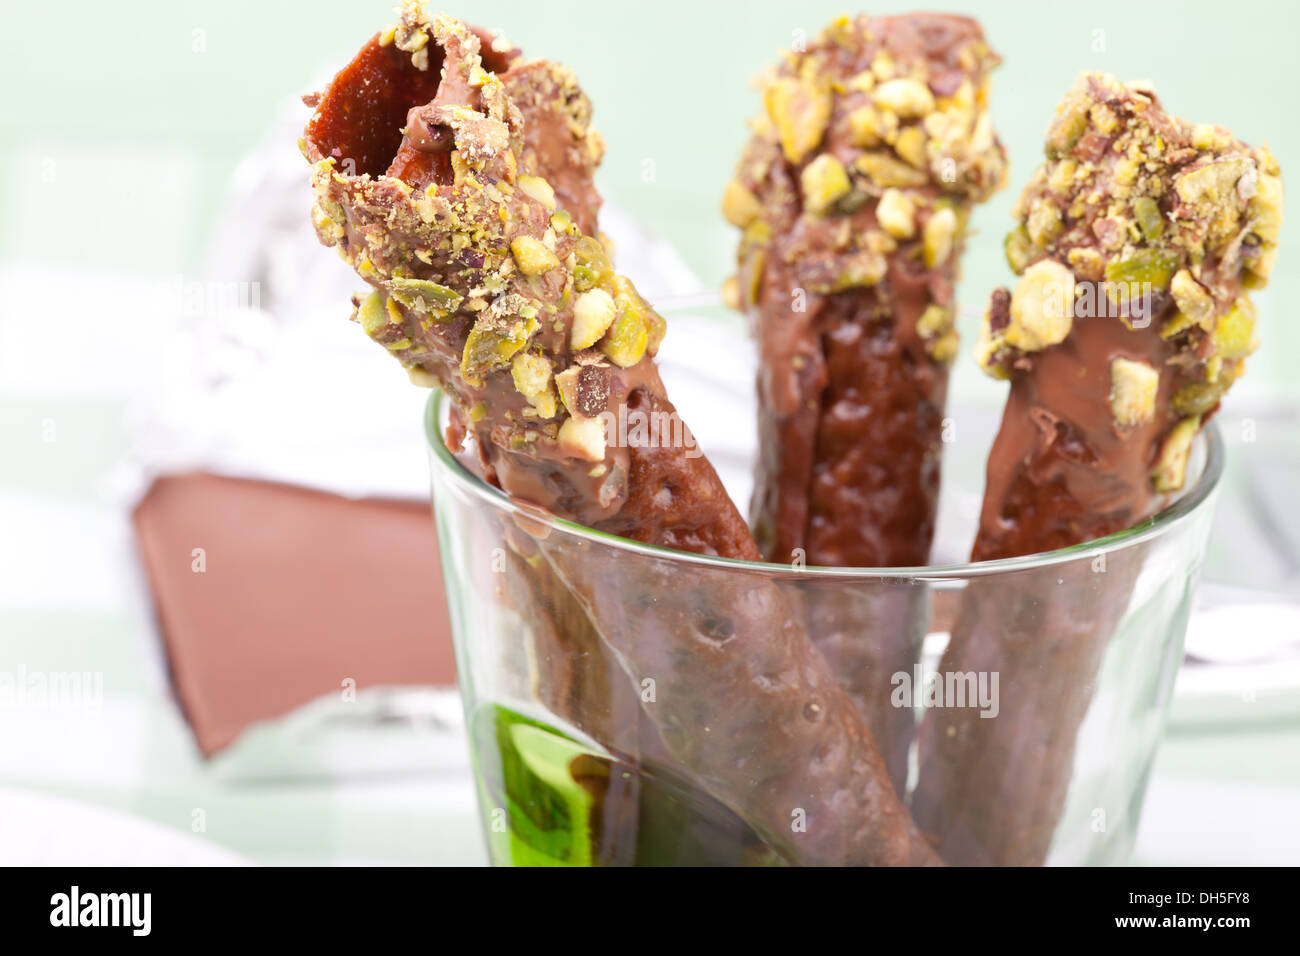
{"x": 488, "y": 281}
{"x": 853, "y": 195}
{"x": 359, "y": 123}
{"x": 1137, "y": 243}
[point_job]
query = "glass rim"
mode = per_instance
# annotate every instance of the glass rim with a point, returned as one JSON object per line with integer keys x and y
{"x": 1183, "y": 507}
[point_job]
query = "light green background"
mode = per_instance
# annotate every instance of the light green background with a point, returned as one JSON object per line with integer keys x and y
{"x": 670, "y": 81}
{"x": 123, "y": 123}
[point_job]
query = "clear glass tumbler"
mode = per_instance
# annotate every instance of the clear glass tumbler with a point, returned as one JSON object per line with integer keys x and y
{"x": 1018, "y": 703}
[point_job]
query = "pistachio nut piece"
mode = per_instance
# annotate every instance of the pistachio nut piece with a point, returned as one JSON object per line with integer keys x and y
{"x": 593, "y": 313}
{"x": 823, "y": 182}
{"x": 532, "y": 256}
{"x": 1133, "y": 387}
{"x": 1171, "y": 467}
{"x": 1042, "y": 307}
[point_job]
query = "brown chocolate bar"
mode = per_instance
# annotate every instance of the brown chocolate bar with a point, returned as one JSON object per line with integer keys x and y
{"x": 1136, "y": 243}
{"x": 257, "y": 626}
{"x": 853, "y": 194}
{"x": 487, "y": 286}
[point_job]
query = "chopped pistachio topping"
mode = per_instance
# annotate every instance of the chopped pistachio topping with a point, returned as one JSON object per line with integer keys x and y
{"x": 1042, "y": 307}
{"x": 532, "y": 256}
{"x": 1018, "y": 249}
{"x": 944, "y": 348}
{"x": 799, "y": 109}
{"x": 1171, "y": 466}
{"x": 824, "y": 182}
{"x": 628, "y": 334}
{"x": 1234, "y": 333}
{"x": 934, "y": 321}
{"x": 871, "y": 149}
{"x": 885, "y": 170}
{"x": 1173, "y": 220}
{"x": 1191, "y": 298}
{"x": 424, "y": 295}
{"x": 1153, "y": 267}
{"x": 1133, "y": 388}
{"x": 372, "y": 314}
{"x": 739, "y": 205}
{"x": 535, "y": 187}
{"x": 480, "y": 283}
{"x": 531, "y": 373}
{"x": 869, "y": 126}
{"x": 583, "y": 438}
{"x": 593, "y": 313}
{"x": 938, "y": 236}
{"x": 591, "y": 264}
{"x": 492, "y": 345}
{"x": 897, "y": 213}
{"x": 1146, "y": 213}
{"x": 731, "y": 293}
{"x": 906, "y": 98}
{"x": 421, "y": 378}
{"x": 566, "y": 383}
